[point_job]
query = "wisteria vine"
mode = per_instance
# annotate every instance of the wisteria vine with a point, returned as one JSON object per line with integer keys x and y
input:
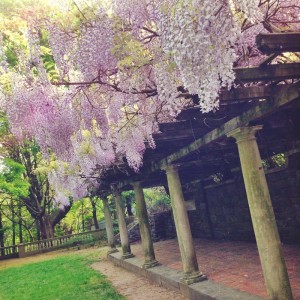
{"x": 118, "y": 72}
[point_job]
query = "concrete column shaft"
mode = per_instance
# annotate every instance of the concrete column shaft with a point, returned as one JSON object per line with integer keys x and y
{"x": 262, "y": 214}
{"x": 182, "y": 224}
{"x": 145, "y": 229}
{"x": 109, "y": 225}
{"x": 122, "y": 226}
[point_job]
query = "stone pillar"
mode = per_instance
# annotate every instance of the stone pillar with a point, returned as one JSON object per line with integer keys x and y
{"x": 122, "y": 227}
{"x": 21, "y": 250}
{"x": 109, "y": 228}
{"x": 262, "y": 214}
{"x": 145, "y": 230}
{"x": 185, "y": 240}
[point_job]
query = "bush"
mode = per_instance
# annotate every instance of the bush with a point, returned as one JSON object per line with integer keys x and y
{"x": 157, "y": 200}
{"x": 77, "y": 241}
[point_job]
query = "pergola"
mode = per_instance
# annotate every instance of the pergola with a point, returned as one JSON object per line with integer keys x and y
{"x": 263, "y": 111}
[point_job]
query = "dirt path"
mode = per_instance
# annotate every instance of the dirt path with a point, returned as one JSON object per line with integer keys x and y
{"x": 132, "y": 286}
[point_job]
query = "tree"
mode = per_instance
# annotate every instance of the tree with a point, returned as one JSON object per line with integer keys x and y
{"x": 129, "y": 199}
{"x": 12, "y": 187}
{"x": 94, "y": 211}
{"x": 112, "y": 73}
{"x": 82, "y": 216}
{"x": 24, "y": 178}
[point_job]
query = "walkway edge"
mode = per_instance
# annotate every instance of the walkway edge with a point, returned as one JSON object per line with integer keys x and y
{"x": 169, "y": 278}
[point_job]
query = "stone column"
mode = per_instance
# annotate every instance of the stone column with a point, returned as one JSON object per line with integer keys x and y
{"x": 185, "y": 240}
{"x": 122, "y": 227}
{"x": 21, "y": 250}
{"x": 262, "y": 214}
{"x": 145, "y": 230}
{"x": 109, "y": 228}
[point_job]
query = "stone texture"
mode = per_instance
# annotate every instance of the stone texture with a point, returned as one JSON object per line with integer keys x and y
{"x": 229, "y": 209}
{"x": 229, "y": 263}
{"x": 170, "y": 279}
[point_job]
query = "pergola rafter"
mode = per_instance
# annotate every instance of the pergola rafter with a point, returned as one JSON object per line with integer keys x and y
{"x": 253, "y": 123}
{"x": 269, "y": 43}
{"x": 240, "y": 106}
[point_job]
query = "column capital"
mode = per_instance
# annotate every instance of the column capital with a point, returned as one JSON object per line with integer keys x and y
{"x": 171, "y": 168}
{"x": 244, "y": 133}
{"x": 137, "y": 183}
{"x": 115, "y": 189}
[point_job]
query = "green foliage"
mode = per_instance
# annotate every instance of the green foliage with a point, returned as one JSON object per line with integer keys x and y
{"x": 130, "y": 52}
{"x": 77, "y": 241}
{"x": 157, "y": 199}
{"x": 275, "y": 161}
{"x": 15, "y": 41}
{"x": 80, "y": 217}
{"x": 12, "y": 181}
{"x": 4, "y": 126}
{"x": 49, "y": 63}
{"x": 128, "y": 196}
{"x": 63, "y": 278}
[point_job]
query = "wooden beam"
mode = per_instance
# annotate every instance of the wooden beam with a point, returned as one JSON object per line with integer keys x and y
{"x": 278, "y": 42}
{"x": 268, "y": 73}
{"x": 178, "y": 135}
{"x": 249, "y": 93}
{"x": 181, "y": 124}
{"x": 268, "y": 59}
{"x": 290, "y": 93}
{"x": 241, "y": 95}
{"x": 195, "y": 115}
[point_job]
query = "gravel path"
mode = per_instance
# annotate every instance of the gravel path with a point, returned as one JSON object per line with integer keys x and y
{"x": 132, "y": 286}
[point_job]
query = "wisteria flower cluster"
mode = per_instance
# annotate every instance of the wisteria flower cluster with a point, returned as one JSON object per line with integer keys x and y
{"x": 122, "y": 68}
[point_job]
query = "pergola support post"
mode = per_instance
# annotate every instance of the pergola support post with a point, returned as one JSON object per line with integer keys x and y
{"x": 185, "y": 240}
{"x": 145, "y": 229}
{"x": 262, "y": 214}
{"x": 109, "y": 227}
{"x": 126, "y": 250}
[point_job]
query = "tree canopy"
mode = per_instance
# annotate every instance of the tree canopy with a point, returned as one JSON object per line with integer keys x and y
{"x": 91, "y": 80}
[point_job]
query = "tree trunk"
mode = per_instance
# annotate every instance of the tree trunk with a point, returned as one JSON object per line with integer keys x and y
{"x": 38, "y": 230}
{"x": 59, "y": 214}
{"x": 82, "y": 216}
{"x": 1, "y": 234}
{"x": 13, "y": 224}
{"x": 129, "y": 208}
{"x": 93, "y": 202}
{"x": 46, "y": 227}
{"x": 20, "y": 223}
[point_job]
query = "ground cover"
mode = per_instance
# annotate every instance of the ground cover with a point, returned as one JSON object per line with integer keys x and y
{"x": 62, "y": 276}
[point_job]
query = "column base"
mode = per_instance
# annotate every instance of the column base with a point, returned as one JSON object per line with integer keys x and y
{"x": 127, "y": 255}
{"x": 112, "y": 250}
{"x": 150, "y": 264}
{"x": 193, "y": 278}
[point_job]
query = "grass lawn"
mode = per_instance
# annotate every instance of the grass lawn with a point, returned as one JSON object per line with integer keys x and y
{"x": 65, "y": 277}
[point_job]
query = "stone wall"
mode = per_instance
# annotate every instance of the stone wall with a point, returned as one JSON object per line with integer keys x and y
{"x": 133, "y": 229}
{"x": 162, "y": 226}
{"x": 222, "y": 210}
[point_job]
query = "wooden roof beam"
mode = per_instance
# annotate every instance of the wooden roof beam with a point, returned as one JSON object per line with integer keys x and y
{"x": 268, "y": 59}
{"x": 287, "y": 95}
{"x": 278, "y": 42}
{"x": 268, "y": 73}
{"x": 244, "y": 94}
{"x": 249, "y": 93}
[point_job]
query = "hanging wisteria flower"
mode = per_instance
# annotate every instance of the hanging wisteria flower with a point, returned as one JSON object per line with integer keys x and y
{"x": 124, "y": 66}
